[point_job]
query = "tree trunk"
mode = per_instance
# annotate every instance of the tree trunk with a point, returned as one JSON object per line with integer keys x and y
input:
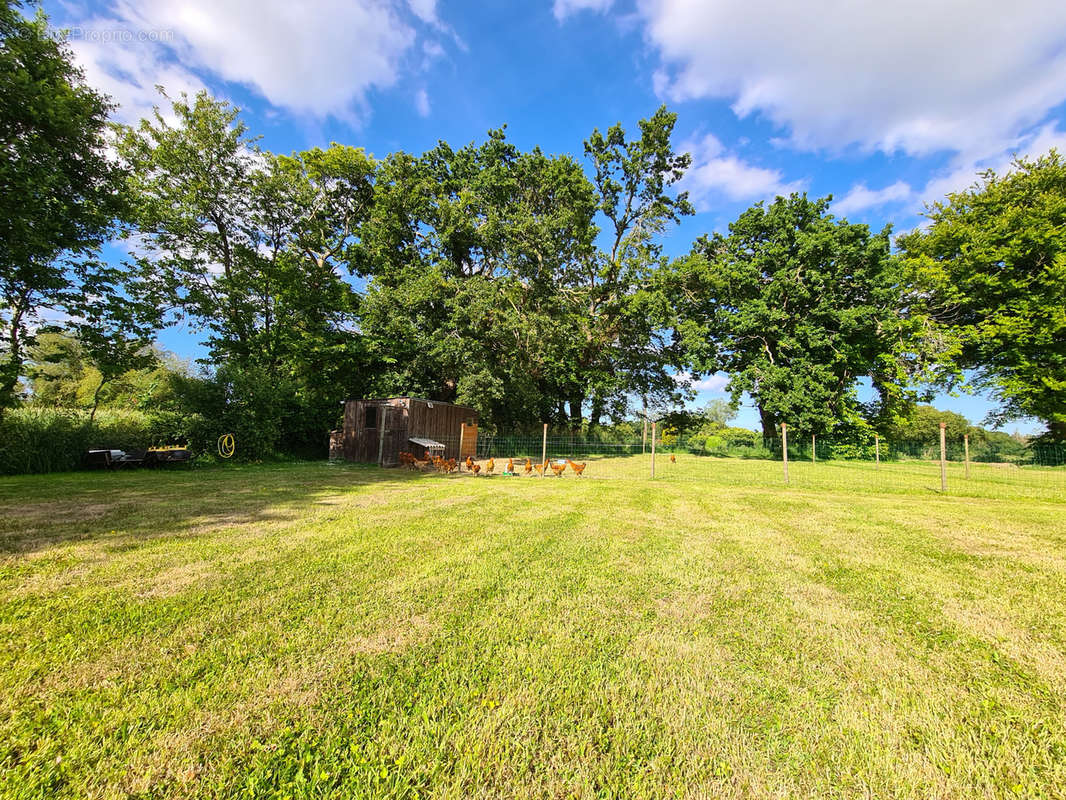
{"x": 596, "y": 413}
{"x": 769, "y": 424}
{"x": 576, "y": 401}
{"x": 96, "y": 398}
{"x": 9, "y": 372}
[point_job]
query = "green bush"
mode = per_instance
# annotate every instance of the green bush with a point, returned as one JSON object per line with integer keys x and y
{"x": 55, "y": 440}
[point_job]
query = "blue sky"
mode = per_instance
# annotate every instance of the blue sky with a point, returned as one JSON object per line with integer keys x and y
{"x": 886, "y": 106}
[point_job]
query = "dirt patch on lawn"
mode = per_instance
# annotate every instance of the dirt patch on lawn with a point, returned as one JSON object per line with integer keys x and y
{"x": 395, "y": 638}
{"x": 176, "y": 580}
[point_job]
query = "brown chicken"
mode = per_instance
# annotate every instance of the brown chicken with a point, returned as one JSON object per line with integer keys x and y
{"x": 510, "y": 465}
{"x": 540, "y": 468}
{"x": 489, "y": 467}
{"x": 529, "y": 467}
{"x": 470, "y": 463}
{"x": 476, "y": 468}
{"x": 577, "y": 468}
{"x": 558, "y": 469}
{"x": 673, "y": 459}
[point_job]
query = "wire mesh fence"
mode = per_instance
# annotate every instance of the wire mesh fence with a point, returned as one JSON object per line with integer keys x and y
{"x": 978, "y": 469}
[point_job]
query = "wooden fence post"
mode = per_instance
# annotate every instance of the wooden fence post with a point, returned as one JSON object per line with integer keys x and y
{"x": 814, "y": 450}
{"x": 381, "y": 438}
{"x": 653, "y": 450}
{"x": 784, "y": 447}
{"x": 544, "y": 450}
{"x": 462, "y": 434}
{"x": 943, "y": 457}
{"x": 877, "y": 451}
{"x": 966, "y": 445}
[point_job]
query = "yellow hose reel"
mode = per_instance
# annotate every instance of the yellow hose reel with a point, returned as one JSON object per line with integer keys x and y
{"x": 226, "y": 445}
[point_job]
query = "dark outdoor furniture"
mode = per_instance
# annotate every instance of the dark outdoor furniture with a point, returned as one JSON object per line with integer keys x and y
{"x": 131, "y": 459}
{"x": 99, "y": 459}
{"x": 167, "y": 455}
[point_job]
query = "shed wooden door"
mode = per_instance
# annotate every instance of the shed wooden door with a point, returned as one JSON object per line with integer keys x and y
{"x": 393, "y": 436}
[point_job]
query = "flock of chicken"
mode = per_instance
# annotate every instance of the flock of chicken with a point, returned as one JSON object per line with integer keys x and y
{"x": 447, "y": 465}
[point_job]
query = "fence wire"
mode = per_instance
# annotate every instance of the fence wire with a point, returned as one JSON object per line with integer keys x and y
{"x": 1034, "y": 471}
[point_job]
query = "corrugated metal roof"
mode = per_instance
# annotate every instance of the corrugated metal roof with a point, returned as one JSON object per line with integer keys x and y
{"x": 429, "y": 443}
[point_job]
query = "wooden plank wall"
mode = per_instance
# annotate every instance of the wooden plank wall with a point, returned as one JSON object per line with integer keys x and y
{"x": 406, "y": 417}
{"x": 442, "y": 423}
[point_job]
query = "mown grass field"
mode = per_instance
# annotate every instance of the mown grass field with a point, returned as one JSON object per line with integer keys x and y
{"x": 336, "y": 631}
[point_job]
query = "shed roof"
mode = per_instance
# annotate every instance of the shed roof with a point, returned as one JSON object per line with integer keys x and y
{"x": 428, "y": 443}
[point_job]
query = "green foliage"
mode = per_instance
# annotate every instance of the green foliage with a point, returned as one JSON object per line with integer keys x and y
{"x": 464, "y": 302}
{"x": 486, "y": 287}
{"x": 923, "y": 425}
{"x": 34, "y": 439}
{"x": 58, "y": 195}
{"x": 990, "y": 274}
{"x": 796, "y": 306}
{"x": 61, "y": 375}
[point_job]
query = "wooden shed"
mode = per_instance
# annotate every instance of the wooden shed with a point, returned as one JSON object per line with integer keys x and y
{"x": 376, "y": 431}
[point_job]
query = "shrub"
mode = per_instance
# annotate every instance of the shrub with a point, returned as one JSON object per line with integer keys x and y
{"x": 55, "y": 440}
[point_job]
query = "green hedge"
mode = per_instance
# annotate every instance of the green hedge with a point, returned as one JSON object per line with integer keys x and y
{"x": 53, "y": 440}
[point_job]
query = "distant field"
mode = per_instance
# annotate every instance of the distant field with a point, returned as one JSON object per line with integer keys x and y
{"x": 334, "y": 631}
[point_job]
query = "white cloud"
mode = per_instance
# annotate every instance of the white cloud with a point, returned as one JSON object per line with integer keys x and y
{"x": 422, "y": 103}
{"x": 712, "y": 383}
{"x": 129, "y": 71}
{"x": 425, "y": 10}
{"x": 565, "y": 8}
{"x": 860, "y": 197}
{"x": 321, "y": 63}
{"x": 716, "y": 173}
{"x": 913, "y": 76}
{"x": 964, "y": 171}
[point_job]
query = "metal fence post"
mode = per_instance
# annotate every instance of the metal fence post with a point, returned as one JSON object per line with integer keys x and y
{"x": 943, "y": 457}
{"x": 653, "y": 450}
{"x": 544, "y": 450}
{"x": 966, "y": 446}
{"x": 784, "y": 448}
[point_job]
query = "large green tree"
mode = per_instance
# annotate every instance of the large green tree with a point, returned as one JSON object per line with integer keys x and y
{"x": 464, "y": 301}
{"x": 191, "y": 187}
{"x": 990, "y": 274}
{"x": 58, "y": 189}
{"x": 251, "y": 248}
{"x": 624, "y": 346}
{"x": 796, "y": 306}
{"x": 491, "y": 283}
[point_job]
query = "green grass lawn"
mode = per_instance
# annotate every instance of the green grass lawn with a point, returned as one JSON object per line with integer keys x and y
{"x": 334, "y": 631}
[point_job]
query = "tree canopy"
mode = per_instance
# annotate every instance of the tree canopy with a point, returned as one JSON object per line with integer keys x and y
{"x": 59, "y": 192}
{"x": 796, "y": 306}
{"x": 990, "y": 273}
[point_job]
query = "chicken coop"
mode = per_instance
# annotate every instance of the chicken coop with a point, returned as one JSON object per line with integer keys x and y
{"x": 377, "y": 431}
